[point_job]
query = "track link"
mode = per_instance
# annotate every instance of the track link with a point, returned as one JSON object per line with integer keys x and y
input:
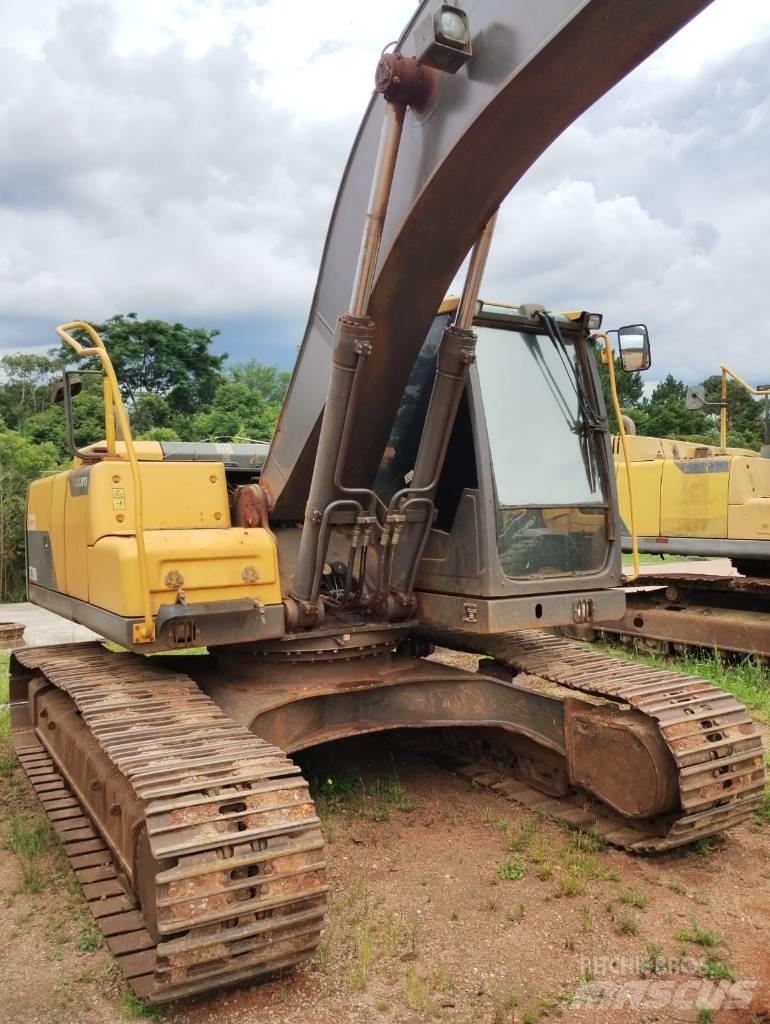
{"x": 239, "y": 885}
{"x": 716, "y": 746}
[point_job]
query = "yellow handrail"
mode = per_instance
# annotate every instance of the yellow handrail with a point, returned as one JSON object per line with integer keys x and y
{"x": 608, "y": 358}
{"x": 144, "y": 632}
{"x": 723, "y": 400}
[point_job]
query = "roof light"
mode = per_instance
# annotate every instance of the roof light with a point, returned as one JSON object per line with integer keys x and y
{"x": 443, "y": 40}
{"x": 453, "y": 26}
{"x": 594, "y": 321}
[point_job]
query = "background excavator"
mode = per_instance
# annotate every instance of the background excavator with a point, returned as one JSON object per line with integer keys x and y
{"x": 395, "y": 508}
{"x": 711, "y": 501}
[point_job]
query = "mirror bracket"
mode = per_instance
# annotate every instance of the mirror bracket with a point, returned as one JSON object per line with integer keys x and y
{"x": 62, "y": 392}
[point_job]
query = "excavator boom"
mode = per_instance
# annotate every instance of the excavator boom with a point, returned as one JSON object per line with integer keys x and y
{"x": 534, "y": 69}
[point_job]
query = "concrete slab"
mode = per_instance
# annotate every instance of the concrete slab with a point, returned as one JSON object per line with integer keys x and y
{"x": 42, "y": 627}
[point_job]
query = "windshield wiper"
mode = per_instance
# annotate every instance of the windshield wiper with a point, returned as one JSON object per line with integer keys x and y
{"x": 591, "y": 421}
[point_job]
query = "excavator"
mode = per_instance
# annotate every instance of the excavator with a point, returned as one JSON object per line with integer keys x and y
{"x": 691, "y": 499}
{"x": 397, "y": 507}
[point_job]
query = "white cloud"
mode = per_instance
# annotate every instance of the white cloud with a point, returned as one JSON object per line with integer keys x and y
{"x": 181, "y": 159}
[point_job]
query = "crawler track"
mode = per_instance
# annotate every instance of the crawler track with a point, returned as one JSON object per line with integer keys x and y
{"x": 715, "y": 745}
{"x": 236, "y": 885}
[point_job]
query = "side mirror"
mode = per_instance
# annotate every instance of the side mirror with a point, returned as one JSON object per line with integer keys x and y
{"x": 634, "y": 346}
{"x": 695, "y": 397}
{"x": 59, "y": 388}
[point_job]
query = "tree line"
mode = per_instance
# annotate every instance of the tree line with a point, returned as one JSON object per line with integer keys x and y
{"x": 663, "y": 413}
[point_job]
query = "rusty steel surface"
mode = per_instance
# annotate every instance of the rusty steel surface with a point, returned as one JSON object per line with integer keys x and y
{"x": 726, "y": 613}
{"x": 209, "y": 831}
{"x": 11, "y": 635}
{"x": 716, "y": 747}
{"x": 298, "y": 706}
{"x": 758, "y": 586}
{"x": 696, "y": 625}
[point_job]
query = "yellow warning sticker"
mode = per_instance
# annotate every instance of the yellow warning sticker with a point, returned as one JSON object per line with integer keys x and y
{"x": 119, "y": 499}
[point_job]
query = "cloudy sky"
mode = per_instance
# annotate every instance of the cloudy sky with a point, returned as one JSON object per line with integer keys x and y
{"x": 179, "y": 158}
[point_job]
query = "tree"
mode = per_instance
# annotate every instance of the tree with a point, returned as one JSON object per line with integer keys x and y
{"x": 268, "y": 381}
{"x": 27, "y": 384}
{"x": 168, "y": 361}
{"x": 236, "y": 412}
{"x": 246, "y": 404}
{"x": 49, "y": 425}
{"x": 21, "y": 462}
{"x": 667, "y": 415}
{"x": 668, "y": 388}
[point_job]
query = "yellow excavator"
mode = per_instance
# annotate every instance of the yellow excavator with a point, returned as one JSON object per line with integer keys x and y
{"x": 698, "y": 499}
{"x": 399, "y": 505}
{"x": 713, "y": 501}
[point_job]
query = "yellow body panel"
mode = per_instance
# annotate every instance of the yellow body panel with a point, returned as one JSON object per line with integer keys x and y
{"x": 646, "y": 479}
{"x": 212, "y": 565}
{"x": 749, "y": 512}
{"x": 176, "y": 496}
{"x": 84, "y": 518}
{"x": 146, "y": 451}
{"x": 74, "y": 532}
{"x": 693, "y": 498}
{"x": 683, "y": 489}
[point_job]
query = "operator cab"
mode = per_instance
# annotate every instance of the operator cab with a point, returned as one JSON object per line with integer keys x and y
{"x": 525, "y": 502}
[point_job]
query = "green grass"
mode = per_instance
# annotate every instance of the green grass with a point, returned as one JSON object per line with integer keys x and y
{"x": 652, "y": 960}
{"x": 626, "y": 926}
{"x": 717, "y": 968}
{"x": 29, "y": 836}
{"x": 523, "y": 837}
{"x": 748, "y": 680}
{"x": 132, "y": 1007}
{"x": 89, "y": 939}
{"x": 5, "y": 657}
{"x": 698, "y": 936}
{"x": 762, "y": 815}
{"x": 633, "y": 897}
{"x": 512, "y": 870}
{"x": 570, "y": 885}
{"x": 584, "y": 842}
{"x": 373, "y": 801}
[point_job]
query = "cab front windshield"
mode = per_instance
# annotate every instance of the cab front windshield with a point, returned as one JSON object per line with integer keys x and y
{"x": 551, "y": 506}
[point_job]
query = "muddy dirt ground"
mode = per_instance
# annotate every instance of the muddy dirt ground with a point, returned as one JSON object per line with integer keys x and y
{"x": 448, "y": 903}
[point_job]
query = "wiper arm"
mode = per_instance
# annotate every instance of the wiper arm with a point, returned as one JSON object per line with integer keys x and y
{"x": 591, "y": 420}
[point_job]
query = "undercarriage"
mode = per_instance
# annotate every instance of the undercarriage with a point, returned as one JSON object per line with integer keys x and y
{"x": 195, "y": 837}
{"x": 694, "y": 610}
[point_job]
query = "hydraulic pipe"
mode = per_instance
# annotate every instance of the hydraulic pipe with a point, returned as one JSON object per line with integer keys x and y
{"x": 457, "y": 350}
{"x": 353, "y": 342}
{"x": 382, "y": 184}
